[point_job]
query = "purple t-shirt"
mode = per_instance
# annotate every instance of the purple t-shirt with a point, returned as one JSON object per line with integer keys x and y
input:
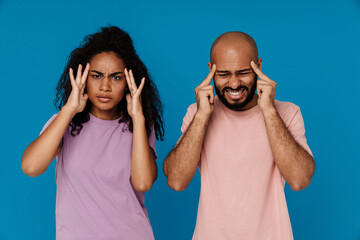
{"x": 95, "y": 198}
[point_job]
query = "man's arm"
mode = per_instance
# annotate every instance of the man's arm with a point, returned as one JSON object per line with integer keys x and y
{"x": 181, "y": 164}
{"x": 295, "y": 164}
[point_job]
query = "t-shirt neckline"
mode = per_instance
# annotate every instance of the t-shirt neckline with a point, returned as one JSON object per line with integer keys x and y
{"x": 237, "y": 113}
{"x": 104, "y": 122}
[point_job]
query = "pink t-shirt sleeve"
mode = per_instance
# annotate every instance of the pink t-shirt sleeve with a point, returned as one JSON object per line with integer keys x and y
{"x": 189, "y": 116}
{"x": 297, "y": 129}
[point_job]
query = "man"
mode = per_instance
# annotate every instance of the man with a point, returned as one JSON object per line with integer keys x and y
{"x": 246, "y": 146}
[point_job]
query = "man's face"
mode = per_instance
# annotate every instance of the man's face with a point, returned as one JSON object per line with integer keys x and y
{"x": 235, "y": 81}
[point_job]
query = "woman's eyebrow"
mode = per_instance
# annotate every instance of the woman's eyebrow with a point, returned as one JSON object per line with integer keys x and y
{"x": 100, "y": 73}
{"x": 112, "y": 74}
{"x": 116, "y": 73}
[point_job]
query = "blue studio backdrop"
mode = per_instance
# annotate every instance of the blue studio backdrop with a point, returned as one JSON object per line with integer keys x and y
{"x": 310, "y": 48}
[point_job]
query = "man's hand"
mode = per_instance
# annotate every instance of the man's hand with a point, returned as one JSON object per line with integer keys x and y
{"x": 266, "y": 89}
{"x": 205, "y": 95}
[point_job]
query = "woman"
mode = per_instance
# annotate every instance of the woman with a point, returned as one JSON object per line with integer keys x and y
{"x": 103, "y": 139}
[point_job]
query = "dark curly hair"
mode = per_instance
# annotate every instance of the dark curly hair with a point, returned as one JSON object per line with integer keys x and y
{"x": 112, "y": 39}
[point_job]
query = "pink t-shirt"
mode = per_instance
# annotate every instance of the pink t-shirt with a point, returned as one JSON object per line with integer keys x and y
{"x": 242, "y": 191}
{"x": 95, "y": 199}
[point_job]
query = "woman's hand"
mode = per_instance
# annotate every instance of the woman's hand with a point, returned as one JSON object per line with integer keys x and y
{"x": 133, "y": 99}
{"x": 77, "y": 99}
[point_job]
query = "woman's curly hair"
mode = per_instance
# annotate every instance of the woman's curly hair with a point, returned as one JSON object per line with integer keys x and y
{"x": 112, "y": 39}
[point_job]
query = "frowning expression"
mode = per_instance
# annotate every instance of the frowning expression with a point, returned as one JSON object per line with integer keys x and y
{"x": 106, "y": 83}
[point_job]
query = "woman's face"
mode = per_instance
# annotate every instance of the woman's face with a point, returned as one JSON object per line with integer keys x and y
{"x": 106, "y": 85}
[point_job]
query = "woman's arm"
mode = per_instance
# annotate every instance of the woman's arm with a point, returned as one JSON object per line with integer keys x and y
{"x": 143, "y": 166}
{"x": 40, "y": 153}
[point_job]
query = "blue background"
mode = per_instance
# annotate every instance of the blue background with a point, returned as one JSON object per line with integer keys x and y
{"x": 310, "y": 48}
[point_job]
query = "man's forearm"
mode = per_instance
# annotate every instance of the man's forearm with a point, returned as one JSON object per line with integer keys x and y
{"x": 181, "y": 164}
{"x": 296, "y": 165}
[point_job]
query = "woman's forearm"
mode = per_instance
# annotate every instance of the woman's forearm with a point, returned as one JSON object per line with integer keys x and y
{"x": 40, "y": 153}
{"x": 143, "y": 165}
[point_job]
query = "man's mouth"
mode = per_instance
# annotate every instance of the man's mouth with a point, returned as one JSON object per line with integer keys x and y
{"x": 235, "y": 95}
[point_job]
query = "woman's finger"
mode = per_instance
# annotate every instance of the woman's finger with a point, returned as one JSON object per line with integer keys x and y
{"x": 141, "y": 85}
{"x": 132, "y": 80}
{"x": 72, "y": 80}
{"x": 78, "y": 75}
{"x": 85, "y": 74}
{"x": 128, "y": 81}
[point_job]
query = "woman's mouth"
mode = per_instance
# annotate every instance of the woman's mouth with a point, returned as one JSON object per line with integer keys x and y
{"x": 104, "y": 99}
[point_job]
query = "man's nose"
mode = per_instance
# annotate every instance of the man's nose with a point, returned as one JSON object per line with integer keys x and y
{"x": 234, "y": 82}
{"x": 105, "y": 85}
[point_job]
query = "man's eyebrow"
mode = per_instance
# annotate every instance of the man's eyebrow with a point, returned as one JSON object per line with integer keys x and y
{"x": 237, "y": 71}
{"x": 244, "y": 70}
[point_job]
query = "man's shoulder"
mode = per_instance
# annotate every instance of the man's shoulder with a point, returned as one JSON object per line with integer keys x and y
{"x": 286, "y": 110}
{"x": 192, "y": 109}
{"x": 283, "y": 106}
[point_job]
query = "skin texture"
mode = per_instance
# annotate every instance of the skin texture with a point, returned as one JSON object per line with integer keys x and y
{"x": 233, "y": 56}
{"x": 104, "y": 77}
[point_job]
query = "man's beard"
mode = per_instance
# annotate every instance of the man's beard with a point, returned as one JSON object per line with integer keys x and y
{"x": 237, "y": 106}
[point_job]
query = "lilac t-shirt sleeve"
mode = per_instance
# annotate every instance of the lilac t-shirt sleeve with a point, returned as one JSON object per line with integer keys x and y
{"x": 151, "y": 140}
{"x": 48, "y": 123}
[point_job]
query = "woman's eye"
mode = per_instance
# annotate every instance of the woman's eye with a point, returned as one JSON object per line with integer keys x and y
{"x": 117, "y": 77}
{"x": 95, "y": 76}
{"x": 223, "y": 75}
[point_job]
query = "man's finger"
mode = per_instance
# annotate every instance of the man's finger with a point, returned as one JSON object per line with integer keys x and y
{"x": 211, "y": 97}
{"x": 258, "y": 72}
{"x": 267, "y": 82}
{"x": 209, "y": 77}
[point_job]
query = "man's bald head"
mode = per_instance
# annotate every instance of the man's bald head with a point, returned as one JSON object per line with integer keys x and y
{"x": 238, "y": 41}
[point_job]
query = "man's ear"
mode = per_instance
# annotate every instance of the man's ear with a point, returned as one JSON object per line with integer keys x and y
{"x": 259, "y": 63}
{"x": 209, "y": 65}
